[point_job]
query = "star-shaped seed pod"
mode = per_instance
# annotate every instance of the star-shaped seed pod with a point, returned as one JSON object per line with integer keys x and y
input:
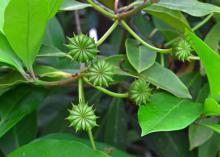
{"x": 82, "y": 117}
{"x": 82, "y": 48}
{"x": 183, "y": 50}
{"x": 140, "y": 92}
{"x": 100, "y": 73}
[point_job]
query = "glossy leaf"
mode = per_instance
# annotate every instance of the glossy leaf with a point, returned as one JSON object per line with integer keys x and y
{"x": 211, "y": 61}
{"x": 191, "y": 7}
{"x": 167, "y": 113}
{"x": 7, "y": 55}
{"x": 49, "y": 148}
{"x": 13, "y": 110}
{"x": 71, "y": 5}
{"x": 25, "y": 28}
{"x": 54, "y": 5}
{"x": 140, "y": 57}
{"x": 166, "y": 80}
{"x": 173, "y": 18}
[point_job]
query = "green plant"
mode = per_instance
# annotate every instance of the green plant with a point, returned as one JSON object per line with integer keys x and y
{"x": 175, "y": 84}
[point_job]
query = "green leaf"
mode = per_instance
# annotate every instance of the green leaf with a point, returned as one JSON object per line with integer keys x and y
{"x": 192, "y": 7}
{"x": 7, "y": 55}
{"x": 169, "y": 144}
{"x": 193, "y": 82}
{"x": 140, "y": 57}
{"x": 25, "y": 28}
{"x": 116, "y": 61}
{"x": 48, "y": 71}
{"x": 173, "y": 18}
{"x": 54, "y": 35}
{"x": 100, "y": 146}
{"x": 108, "y": 3}
{"x": 16, "y": 104}
{"x": 52, "y": 148}
{"x": 214, "y": 127}
{"x": 203, "y": 93}
{"x": 11, "y": 79}
{"x": 24, "y": 132}
{"x": 211, "y": 107}
{"x": 117, "y": 135}
{"x": 70, "y": 5}
{"x": 210, "y": 148}
{"x": 54, "y": 5}
{"x": 213, "y": 37}
{"x": 210, "y": 60}
{"x": 166, "y": 80}
{"x": 3, "y": 5}
{"x": 199, "y": 134}
{"x": 167, "y": 113}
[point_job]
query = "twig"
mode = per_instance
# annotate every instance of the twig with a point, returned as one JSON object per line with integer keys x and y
{"x": 116, "y": 6}
{"x": 77, "y": 19}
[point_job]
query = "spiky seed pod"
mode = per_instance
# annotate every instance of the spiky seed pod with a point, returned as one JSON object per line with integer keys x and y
{"x": 183, "y": 50}
{"x": 82, "y": 117}
{"x": 140, "y": 92}
{"x": 82, "y": 48}
{"x": 100, "y": 73}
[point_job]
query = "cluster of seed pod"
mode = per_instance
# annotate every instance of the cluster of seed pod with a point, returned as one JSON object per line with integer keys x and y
{"x": 83, "y": 49}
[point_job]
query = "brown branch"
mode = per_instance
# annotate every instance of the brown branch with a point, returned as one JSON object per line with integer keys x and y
{"x": 116, "y": 6}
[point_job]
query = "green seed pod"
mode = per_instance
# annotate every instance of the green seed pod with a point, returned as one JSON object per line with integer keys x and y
{"x": 140, "y": 92}
{"x": 82, "y": 117}
{"x": 100, "y": 73}
{"x": 82, "y": 48}
{"x": 183, "y": 50}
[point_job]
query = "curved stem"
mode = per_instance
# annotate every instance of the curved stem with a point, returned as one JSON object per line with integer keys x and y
{"x": 162, "y": 60}
{"x": 142, "y": 41}
{"x": 82, "y": 100}
{"x": 91, "y": 139}
{"x": 103, "y": 11}
{"x": 106, "y": 35}
{"x": 110, "y": 93}
{"x": 199, "y": 25}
